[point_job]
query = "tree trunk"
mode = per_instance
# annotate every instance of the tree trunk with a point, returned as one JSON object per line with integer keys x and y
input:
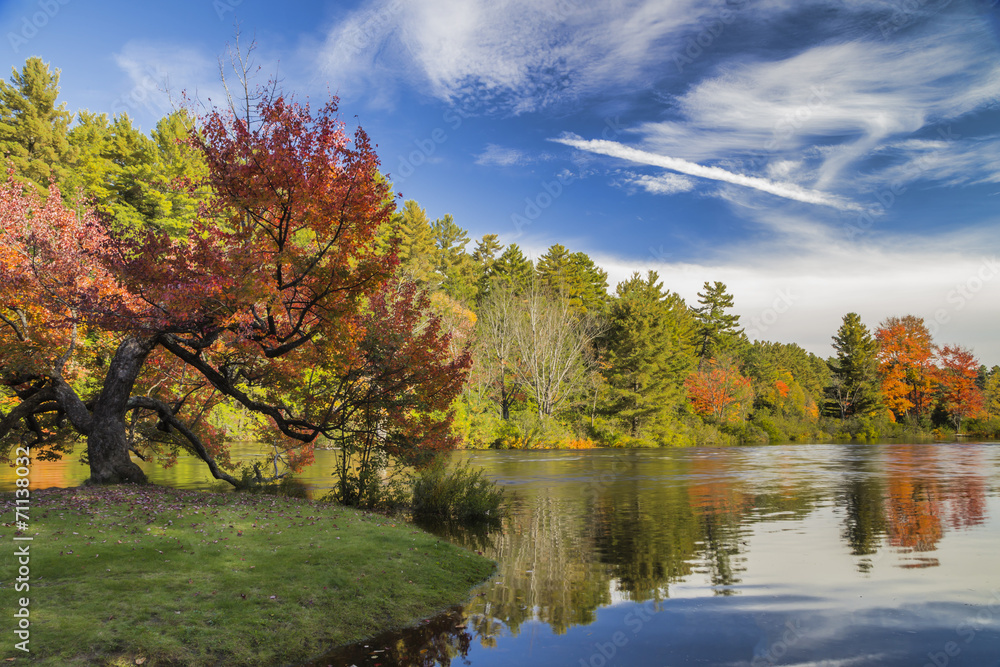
{"x": 107, "y": 442}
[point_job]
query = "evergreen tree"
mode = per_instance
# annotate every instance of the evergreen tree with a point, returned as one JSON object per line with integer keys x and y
{"x": 717, "y": 330}
{"x": 592, "y": 284}
{"x": 485, "y": 256}
{"x": 486, "y": 251}
{"x": 575, "y": 277}
{"x": 414, "y": 242}
{"x": 854, "y": 386}
{"x": 455, "y": 268}
{"x": 33, "y": 128}
{"x": 648, "y": 353}
{"x": 142, "y": 183}
{"x": 513, "y": 269}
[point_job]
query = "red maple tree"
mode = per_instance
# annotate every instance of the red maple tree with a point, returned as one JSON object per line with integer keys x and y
{"x": 960, "y": 395}
{"x": 278, "y": 300}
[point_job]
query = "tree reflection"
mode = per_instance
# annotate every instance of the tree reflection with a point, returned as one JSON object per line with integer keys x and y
{"x": 865, "y": 518}
{"x": 439, "y": 641}
{"x": 626, "y": 528}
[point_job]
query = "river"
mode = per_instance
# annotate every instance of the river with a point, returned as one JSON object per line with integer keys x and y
{"x": 830, "y": 555}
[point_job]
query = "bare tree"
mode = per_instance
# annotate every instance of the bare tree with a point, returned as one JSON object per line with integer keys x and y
{"x": 553, "y": 343}
{"x": 496, "y": 343}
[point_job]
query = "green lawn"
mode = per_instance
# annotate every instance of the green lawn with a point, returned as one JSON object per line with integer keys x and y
{"x": 157, "y": 576}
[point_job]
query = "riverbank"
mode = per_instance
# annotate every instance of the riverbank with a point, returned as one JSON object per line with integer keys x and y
{"x": 158, "y": 576}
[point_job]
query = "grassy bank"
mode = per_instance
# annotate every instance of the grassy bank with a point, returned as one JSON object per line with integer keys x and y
{"x": 156, "y": 576}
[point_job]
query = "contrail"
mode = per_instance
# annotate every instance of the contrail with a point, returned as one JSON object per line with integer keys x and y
{"x": 786, "y": 190}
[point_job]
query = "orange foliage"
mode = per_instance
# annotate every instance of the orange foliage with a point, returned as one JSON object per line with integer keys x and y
{"x": 719, "y": 391}
{"x": 906, "y": 368}
{"x": 961, "y": 396}
{"x": 585, "y": 443}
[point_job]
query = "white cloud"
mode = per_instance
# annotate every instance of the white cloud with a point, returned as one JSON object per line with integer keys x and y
{"x": 780, "y": 189}
{"x": 665, "y": 184}
{"x": 801, "y": 298}
{"x": 159, "y": 73}
{"x": 498, "y": 156}
{"x": 517, "y": 54}
{"x": 832, "y": 105}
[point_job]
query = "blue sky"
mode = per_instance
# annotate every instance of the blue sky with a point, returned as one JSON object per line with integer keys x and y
{"x": 817, "y": 157}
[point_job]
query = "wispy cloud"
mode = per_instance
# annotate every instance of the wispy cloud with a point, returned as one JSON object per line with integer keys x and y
{"x": 779, "y": 189}
{"x": 519, "y": 55}
{"x": 499, "y": 156}
{"x": 158, "y": 73}
{"x": 665, "y": 184}
{"x": 831, "y": 106}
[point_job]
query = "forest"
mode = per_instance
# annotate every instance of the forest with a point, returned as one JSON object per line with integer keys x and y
{"x": 236, "y": 286}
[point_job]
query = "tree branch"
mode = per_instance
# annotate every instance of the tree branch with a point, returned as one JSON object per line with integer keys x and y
{"x": 167, "y": 415}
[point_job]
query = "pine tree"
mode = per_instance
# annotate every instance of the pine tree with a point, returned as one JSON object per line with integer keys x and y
{"x": 575, "y": 277}
{"x": 854, "y": 386}
{"x": 414, "y": 242}
{"x": 717, "y": 330}
{"x": 455, "y": 268}
{"x": 486, "y": 251}
{"x": 648, "y": 353}
{"x": 513, "y": 269}
{"x": 142, "y": 183}
{"x": 33, "y": 129}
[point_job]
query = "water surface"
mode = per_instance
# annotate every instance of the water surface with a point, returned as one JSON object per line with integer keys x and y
{"x": 819, "y": 555}
{"x": 829, "y": 555}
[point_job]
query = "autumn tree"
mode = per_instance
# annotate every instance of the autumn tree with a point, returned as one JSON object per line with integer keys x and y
{"x": 906, "y": 365}
{"x": 787, "y": 380}
{"x": 718, "y": 391}
{"x": 854, "y": 387}
{"x": 960, "y": 396}
{"x": 272, "y": 301}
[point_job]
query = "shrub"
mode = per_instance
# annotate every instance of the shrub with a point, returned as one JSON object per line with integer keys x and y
{"x": 463, "y": 494}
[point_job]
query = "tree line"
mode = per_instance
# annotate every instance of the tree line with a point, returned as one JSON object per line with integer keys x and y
{"x": 249, "y": 270}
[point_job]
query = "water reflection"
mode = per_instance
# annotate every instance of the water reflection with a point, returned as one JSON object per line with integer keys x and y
{"x": 753, "y": 556}
{"x": 788, "y": 540}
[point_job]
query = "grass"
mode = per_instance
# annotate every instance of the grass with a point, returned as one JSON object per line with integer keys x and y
{"x": 156, "y": 576}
